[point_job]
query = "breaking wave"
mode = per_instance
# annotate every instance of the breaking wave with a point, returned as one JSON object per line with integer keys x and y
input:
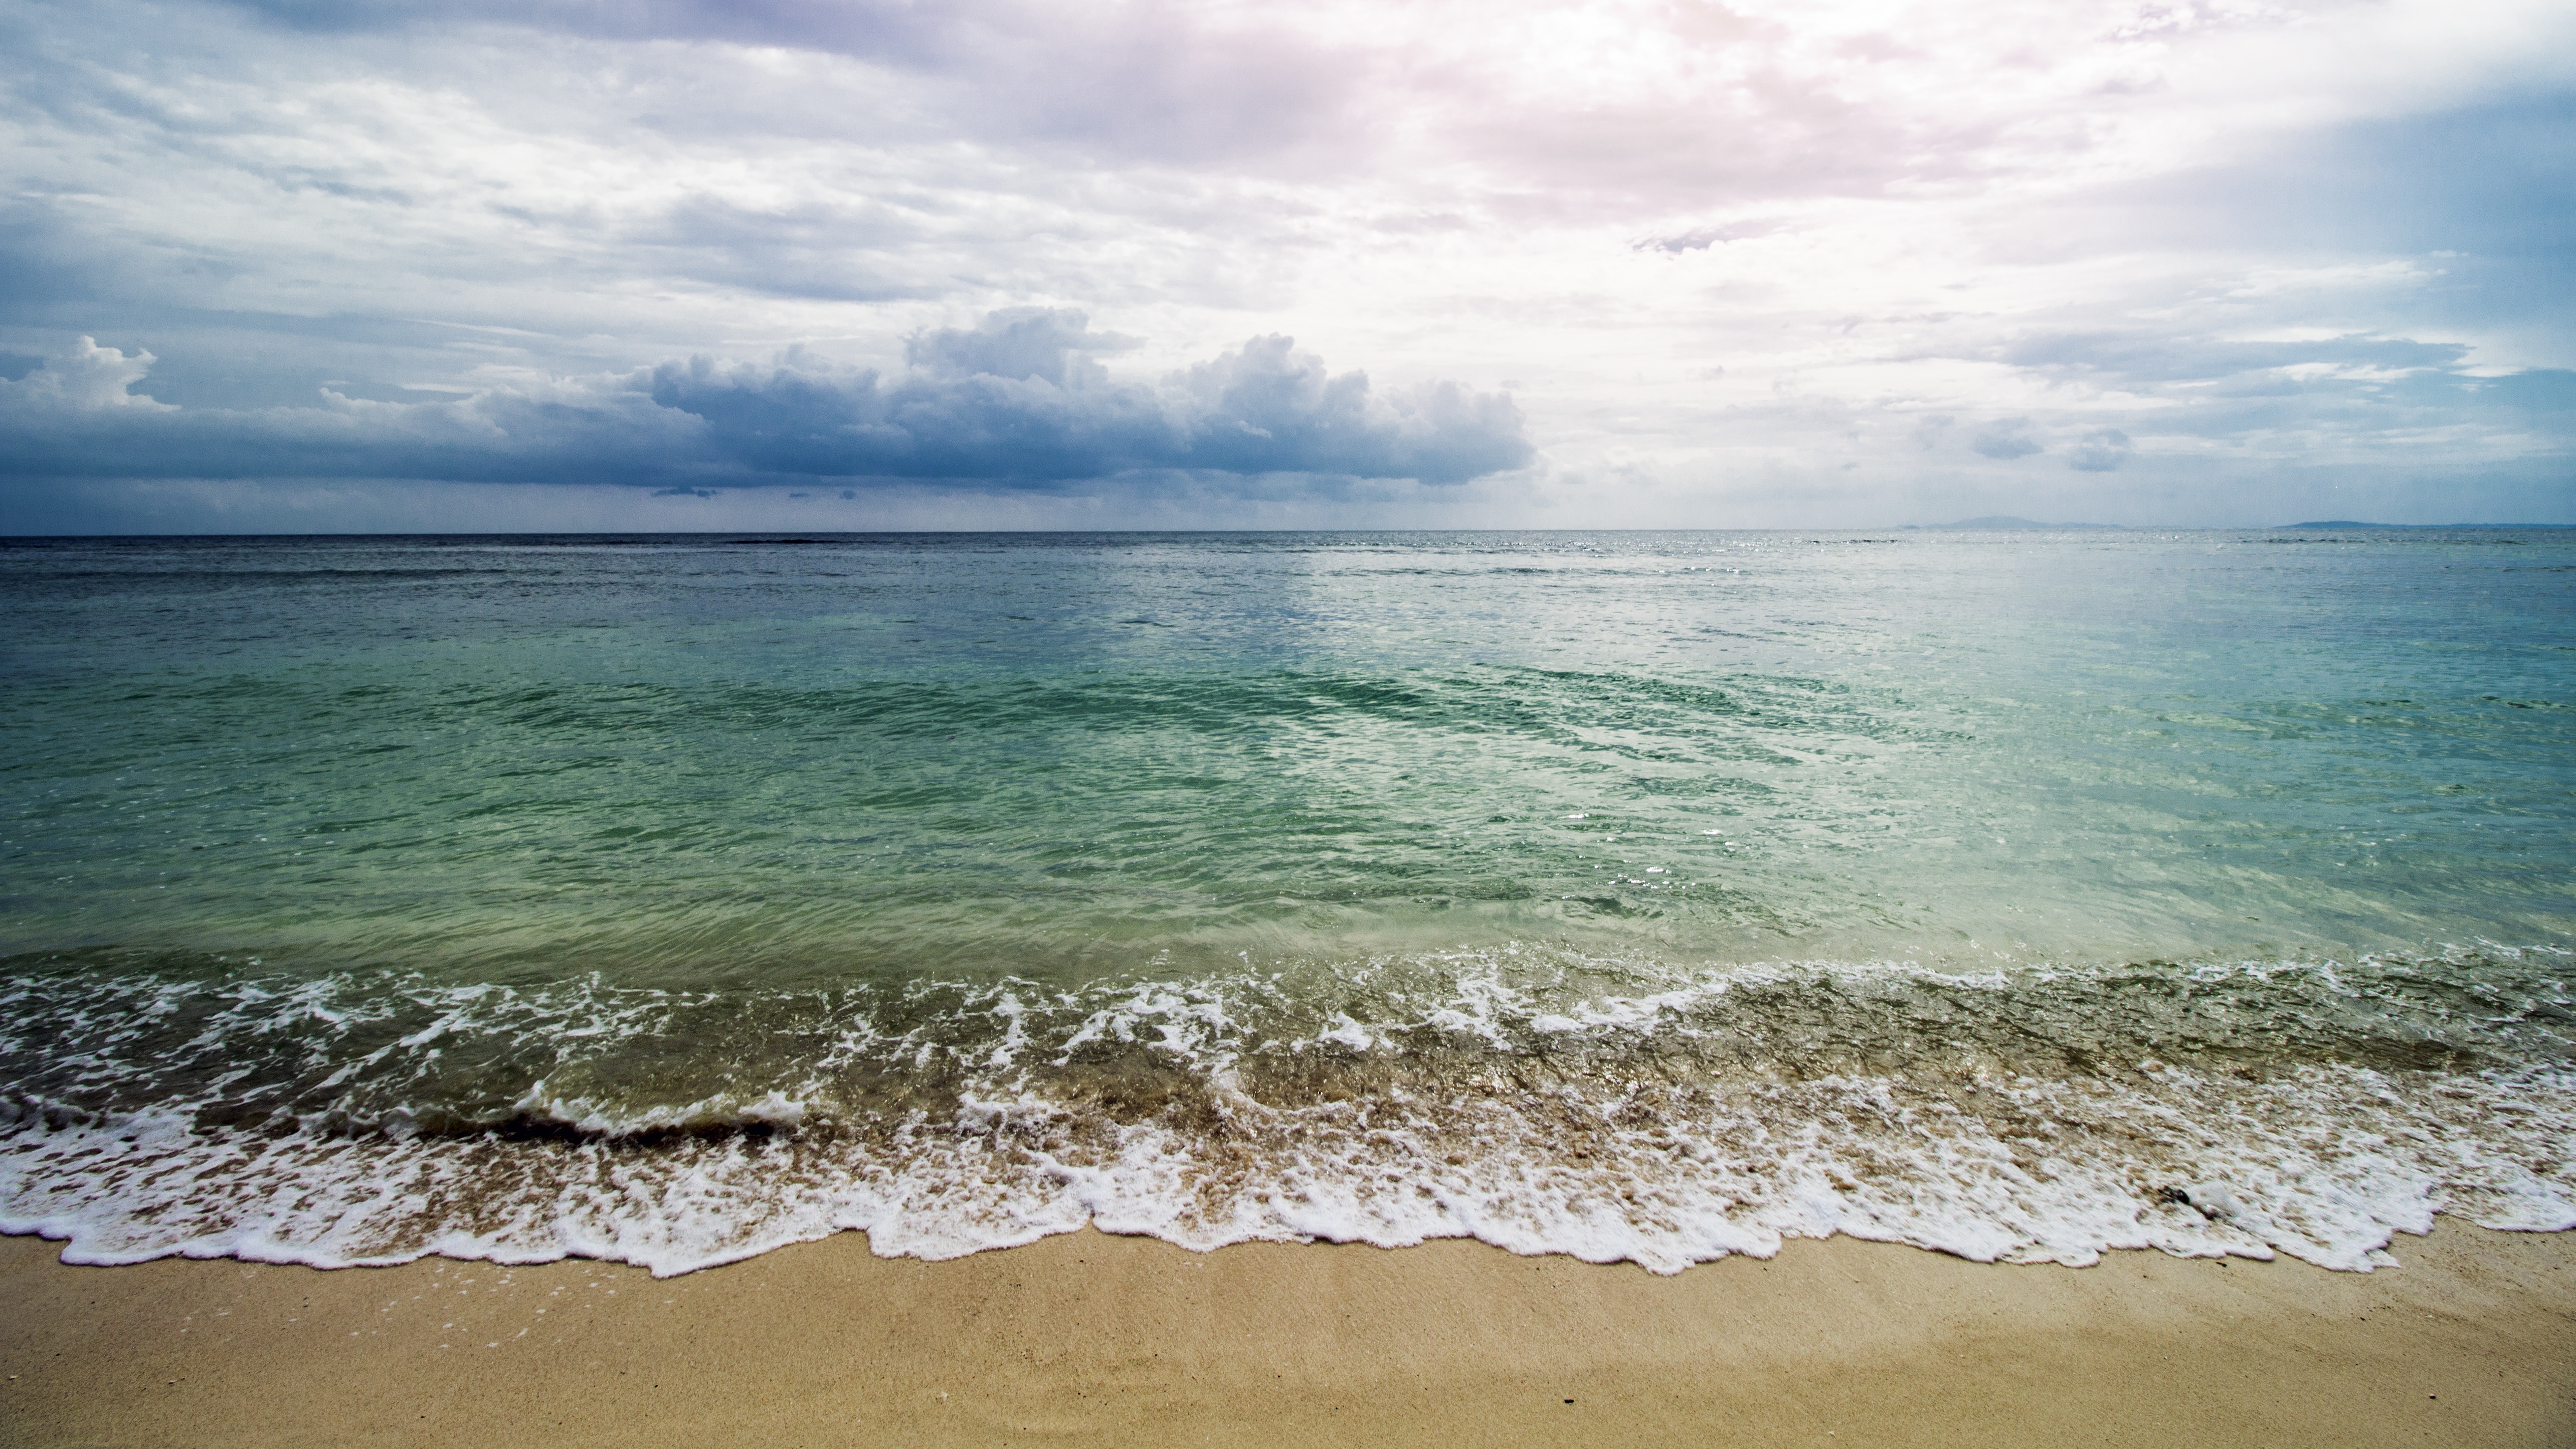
{"x": 1537, "y": 1098}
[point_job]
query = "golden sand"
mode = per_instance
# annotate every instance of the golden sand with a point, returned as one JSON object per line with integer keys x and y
{"x": 1088, "y": 1339}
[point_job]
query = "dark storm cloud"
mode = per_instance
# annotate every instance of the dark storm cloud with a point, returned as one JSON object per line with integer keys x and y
{"x": 1019, "y": 400}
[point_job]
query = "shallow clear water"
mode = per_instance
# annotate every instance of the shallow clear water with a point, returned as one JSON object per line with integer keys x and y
{"x": 1635, "y": 895}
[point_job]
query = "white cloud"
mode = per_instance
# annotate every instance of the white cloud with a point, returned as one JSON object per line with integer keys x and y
{"x": 84, "y": 377}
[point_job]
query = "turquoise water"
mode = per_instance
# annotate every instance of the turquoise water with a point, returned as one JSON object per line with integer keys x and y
{"x": 668, "y": 898}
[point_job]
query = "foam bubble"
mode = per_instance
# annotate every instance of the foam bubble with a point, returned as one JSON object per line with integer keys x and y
{"x": 1537, "y": 1100}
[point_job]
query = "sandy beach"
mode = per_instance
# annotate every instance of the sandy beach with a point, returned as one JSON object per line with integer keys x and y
{"x": 1100, "y": 1340}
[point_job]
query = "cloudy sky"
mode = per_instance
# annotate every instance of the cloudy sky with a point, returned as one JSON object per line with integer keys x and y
{"x": 304, "y": 265}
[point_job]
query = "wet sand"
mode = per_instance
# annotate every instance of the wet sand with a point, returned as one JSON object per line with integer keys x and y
{"x": 1088, "y": 1339}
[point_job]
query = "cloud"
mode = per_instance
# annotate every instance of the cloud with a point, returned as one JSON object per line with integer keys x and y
{"x": 1019, "y": 400}
{"x": 2144, "y": 359}
{"x": 1164, "y": 81}
{"x": 2101, "y": 451}
{"x": 2489, "y": 179}
{"x": 288, "y": 222}
{"x": 2005, "y": 440}
{"x": 85, "y": 377}
{"x": 1700, "y": 239}
{"x": 1052, "y": 344}
{"x": 1269, "y": 408}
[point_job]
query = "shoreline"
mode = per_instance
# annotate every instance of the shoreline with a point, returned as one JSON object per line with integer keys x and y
{"x": 1089, "y": 1338}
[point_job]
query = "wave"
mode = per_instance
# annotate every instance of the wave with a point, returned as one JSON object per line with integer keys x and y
{"x": 1537, "y": 1098}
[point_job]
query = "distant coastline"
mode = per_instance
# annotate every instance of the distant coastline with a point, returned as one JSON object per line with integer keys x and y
{"x": 2004, "y": 522}
{"x": 2426, "y": 527}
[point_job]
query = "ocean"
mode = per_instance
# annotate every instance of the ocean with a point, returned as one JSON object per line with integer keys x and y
{"x": 1645, "y": 897}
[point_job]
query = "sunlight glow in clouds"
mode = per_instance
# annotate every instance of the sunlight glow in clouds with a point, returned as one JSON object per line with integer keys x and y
{"x": 475, "y": 265}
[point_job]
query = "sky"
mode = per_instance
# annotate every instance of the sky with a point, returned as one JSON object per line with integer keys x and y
{"x": 440, "y": 265}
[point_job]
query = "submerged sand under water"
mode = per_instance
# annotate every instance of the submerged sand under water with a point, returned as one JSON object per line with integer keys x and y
{"x": 1516, "y": 1097}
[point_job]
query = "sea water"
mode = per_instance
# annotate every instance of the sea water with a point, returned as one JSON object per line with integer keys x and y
{"x": 1643, "y": 896}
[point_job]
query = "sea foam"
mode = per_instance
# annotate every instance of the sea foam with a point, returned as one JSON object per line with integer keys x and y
{"x": 1525, "y": 1097}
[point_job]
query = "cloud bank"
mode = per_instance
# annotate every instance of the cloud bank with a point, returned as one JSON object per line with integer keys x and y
{"x": 1017, "y": 401}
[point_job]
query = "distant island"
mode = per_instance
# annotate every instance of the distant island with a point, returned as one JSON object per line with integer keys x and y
{"x": 2000, "y": 521}
{"x": 2357, "y": 523}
